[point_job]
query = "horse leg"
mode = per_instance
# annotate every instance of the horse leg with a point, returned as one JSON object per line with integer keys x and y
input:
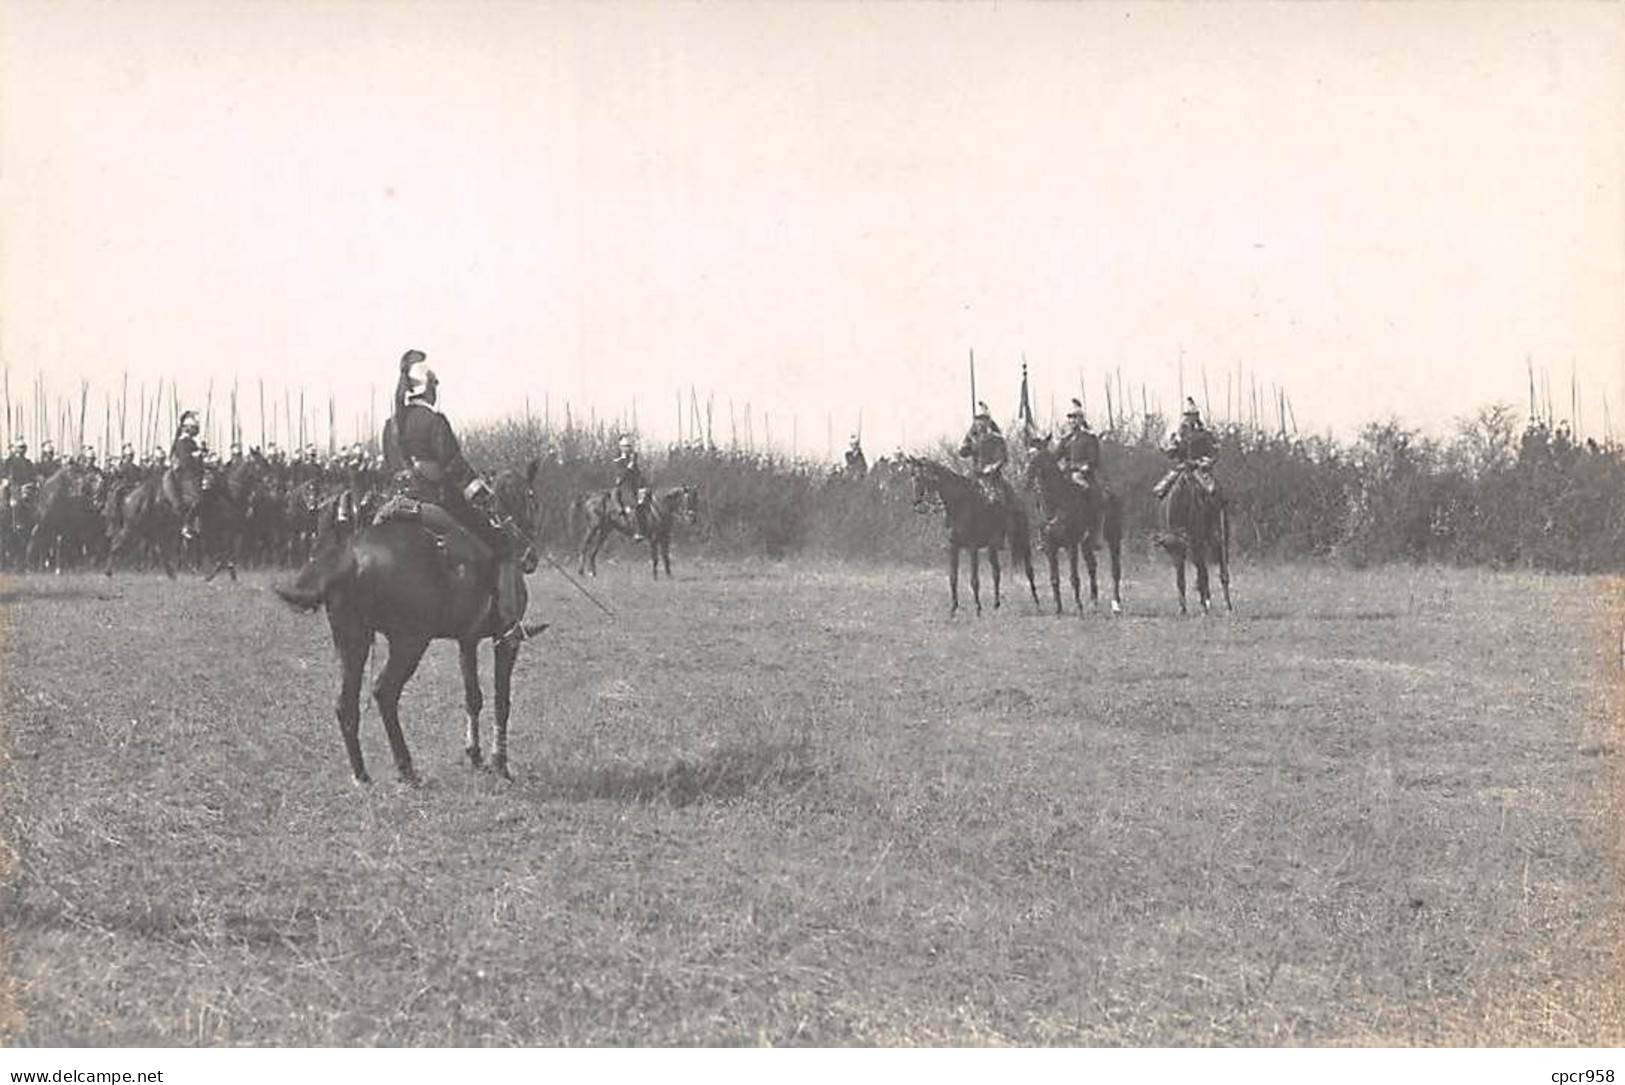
{"x": 1179, "y": 577}
{"x": 953, "y": 579}
{"x": 507, "y": 653}
{"x": 588, "y": 565}
{"x": 1053, "y": 553}
{"x": 353, "y": 643}
{"x": 1077, "y": 584}
{"x": 1199, "y": 561}
{"x": 165, "y": 542}
{"x": 654, "y": 554}
{"x": 665, "y": 554}
{"x": 468, "y": 654}
{"x": 993, "y": 560}
{"x": 405, "y": 651}
{"x": 1114, "y": 549}
{"x": 1224, "y": 556}
{"x": 976, "y": 578}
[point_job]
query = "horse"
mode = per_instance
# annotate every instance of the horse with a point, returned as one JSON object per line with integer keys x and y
{"x": 1075, "y": 518}
{"x": 974, "y": 524}
{"x": 1195, "y": 524}
{"x": 398, "y": 579}
{"x": 146, "y": 517}
{"x": 603, "y": 512}
{"x": 66, "y": 525}
{"x": 16, "y": 520}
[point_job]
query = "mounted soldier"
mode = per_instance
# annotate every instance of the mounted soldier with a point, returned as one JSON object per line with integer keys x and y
{"x": 631, "y": 488}
{"x": 857, "y": 465}
{"x": 985, "y": 447}
{"x": 19, "y": 469}
{"x": 1078, "y": 451}
{"x": 434, "y": 485}
{"x": 1193, "y": 448}
{"x": 48, "y": 463}
{"x": 183, "y": 482}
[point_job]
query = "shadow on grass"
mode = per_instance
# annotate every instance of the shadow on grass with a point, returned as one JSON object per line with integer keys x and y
{"x": 728, "y": 773}
{"x": 292, "y": 932}
{"x": 24, "y": 595}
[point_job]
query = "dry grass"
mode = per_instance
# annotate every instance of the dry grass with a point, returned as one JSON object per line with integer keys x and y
{"x": 798, "y": 805}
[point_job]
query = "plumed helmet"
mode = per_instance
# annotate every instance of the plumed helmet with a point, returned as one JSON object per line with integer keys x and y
{"x": 982, "y": 410}
{"x": 1077, "y": 410}
{"x": 1190, "y": 408}
{"x": 417, "y": 374}
{"x": 127, "y": 450}
{"x": 46, "y": 448}
{"x": 626, "y": 440}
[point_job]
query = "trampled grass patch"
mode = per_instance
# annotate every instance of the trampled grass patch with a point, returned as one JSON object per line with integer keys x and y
{"x": 804, "y": 807}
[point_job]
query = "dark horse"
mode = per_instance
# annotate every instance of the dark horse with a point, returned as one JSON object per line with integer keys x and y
{"x": 1075, "y": 518}
{"x": 66, "y": 525}
{"x": 1196, "y": 526}
{"x": 224, "y": 505}
{"x": 145, "y": 517}
{"x": 603, "y": 513}
{"x": 974, "y": 524}
{"x": 397, "y": 579}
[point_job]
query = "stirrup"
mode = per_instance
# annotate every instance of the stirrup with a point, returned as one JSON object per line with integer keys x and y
{"x": 519, "y": 631}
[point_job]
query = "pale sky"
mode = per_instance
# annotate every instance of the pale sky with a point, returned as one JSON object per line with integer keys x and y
{"x": 817, "y": 208}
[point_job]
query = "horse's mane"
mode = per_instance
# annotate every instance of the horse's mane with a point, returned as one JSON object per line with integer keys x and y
{"x": 939, "y": 472}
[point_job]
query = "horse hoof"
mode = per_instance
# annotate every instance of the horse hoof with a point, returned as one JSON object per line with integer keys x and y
{"x": 410, "y": 778}
{"x": 499, "y": 765}
{"x": 1117, "y": 609}
{"x": 360, "y": 779}
{"x": 475, "y": 758}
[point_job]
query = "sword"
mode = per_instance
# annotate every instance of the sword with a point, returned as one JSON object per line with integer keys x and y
{"x": 574, "y": 583}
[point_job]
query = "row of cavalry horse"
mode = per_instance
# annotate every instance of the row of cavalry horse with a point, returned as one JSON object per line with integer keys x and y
{"x": 395, "y": 581}
{"x": 1074, "y": 519}
{"x": 248, "y": 513}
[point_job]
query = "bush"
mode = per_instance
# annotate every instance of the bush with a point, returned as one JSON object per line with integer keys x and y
{"x": 1486, "y": 496}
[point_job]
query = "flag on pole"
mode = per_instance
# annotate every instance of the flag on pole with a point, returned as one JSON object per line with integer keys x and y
{"x": 1024, "y": 411}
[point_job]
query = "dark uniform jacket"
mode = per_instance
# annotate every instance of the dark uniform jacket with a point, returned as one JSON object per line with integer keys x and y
{"x": 857, "y": 465}
{"x": 20, "y": 469}
{"x": 423, "y": 456}
{"x": 183, "y": 455}
{"x": 1194, "y": 443}
{"x": 984, "y": 444}
{"x": 1079, "y": 447}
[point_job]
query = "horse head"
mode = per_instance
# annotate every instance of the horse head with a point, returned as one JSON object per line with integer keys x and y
{"x": 520, "y": 512}
{"x": 927, "y": 478}
{"x": 1040, "y": 459}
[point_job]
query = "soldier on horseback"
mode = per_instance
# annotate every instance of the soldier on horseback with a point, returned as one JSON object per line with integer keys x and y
{"x": 20, "y": 470}
{"x": 984, "y": 446}
{"x": 1193, "y": 448}
{"x": 1079, "y": 451}
{"x": 183, "y": 483}
{"x": 434, "y": 485}
{"x": 857, "y": 465}
{"x": 631, "y": 489}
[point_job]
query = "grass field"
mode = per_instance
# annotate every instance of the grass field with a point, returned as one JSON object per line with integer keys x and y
{"x": 793, "y": 805}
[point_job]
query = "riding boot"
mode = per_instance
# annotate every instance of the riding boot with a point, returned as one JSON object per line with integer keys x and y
{"x": 510, "y": 606}
{"x": 1160, "y": 490}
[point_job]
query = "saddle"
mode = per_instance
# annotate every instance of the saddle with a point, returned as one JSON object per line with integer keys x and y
{"x": 456, "y": 544}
